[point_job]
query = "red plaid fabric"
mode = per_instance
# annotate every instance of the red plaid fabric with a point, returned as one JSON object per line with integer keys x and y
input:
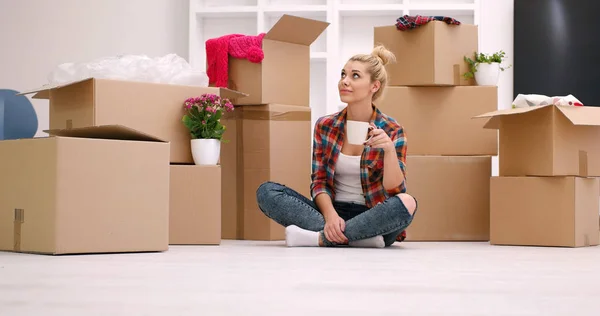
{"x": 408, "y": 22}
{"x": 327, "y": 144}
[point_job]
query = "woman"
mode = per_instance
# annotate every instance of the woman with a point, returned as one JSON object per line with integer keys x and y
{"x": 359, "y": 193}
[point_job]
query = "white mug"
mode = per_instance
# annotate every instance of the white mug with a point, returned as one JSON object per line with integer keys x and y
{"x": 357, "y": 132}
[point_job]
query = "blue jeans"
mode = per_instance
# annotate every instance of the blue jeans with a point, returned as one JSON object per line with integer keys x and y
{"x": 287, "y": 207}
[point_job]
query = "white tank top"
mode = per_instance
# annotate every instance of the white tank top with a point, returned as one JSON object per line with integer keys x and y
{"x": 347, "y": 180}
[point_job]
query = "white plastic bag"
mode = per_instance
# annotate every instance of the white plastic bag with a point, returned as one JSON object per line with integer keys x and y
{"x": 527, "y": 100}
{"x": 170, "y": 69}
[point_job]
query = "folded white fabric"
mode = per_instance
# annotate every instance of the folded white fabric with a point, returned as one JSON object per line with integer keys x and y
{"x": 527, "y": 100}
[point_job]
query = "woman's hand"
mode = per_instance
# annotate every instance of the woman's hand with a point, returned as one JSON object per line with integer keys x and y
{"x": 334, "y": 229}
{"x": 380, "y": 139}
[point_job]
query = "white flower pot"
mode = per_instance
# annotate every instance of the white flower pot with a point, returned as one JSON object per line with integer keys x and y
{"x": 206, "y": 151}
{"x": 487, "y": 74}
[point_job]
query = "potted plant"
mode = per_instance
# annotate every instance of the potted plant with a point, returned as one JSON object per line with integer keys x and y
{"x": 485, "y": 68}
{"x": 203, "y": 120}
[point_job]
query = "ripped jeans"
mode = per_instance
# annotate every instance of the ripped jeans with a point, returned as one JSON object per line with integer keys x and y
{"x": 287, "y": 207}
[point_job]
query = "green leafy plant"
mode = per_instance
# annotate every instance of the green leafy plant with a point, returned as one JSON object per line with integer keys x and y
{"x": 203, "y": 116}
{"x": 481, "y": 58}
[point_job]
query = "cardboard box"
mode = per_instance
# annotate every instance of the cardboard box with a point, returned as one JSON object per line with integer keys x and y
{"x": 91, "y": 190}
{"x": 438, "y": 120}
{"x": 195, "y": 212}
{"x": 283, "y": 76}
{"x": 152, "y": 108}
{"x": 432, "y": 54}
{"x": 267, "y": 143}
{"x": 544, "y": 211}
{"x": 547, "y": 140}
{"x": 2, "y": 117}
{"x": 453, "y": 195}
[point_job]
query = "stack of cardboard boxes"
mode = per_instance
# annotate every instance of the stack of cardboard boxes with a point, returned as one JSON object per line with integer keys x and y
{"x": 102, "y": 181}
{"x": 547, "y": 190}
{"x": 117, "y": 174}
{"x": 449, "y": 153}
{"x": 269, "y": 131}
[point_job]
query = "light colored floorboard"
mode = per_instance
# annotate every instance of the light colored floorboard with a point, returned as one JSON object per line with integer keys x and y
{"x": 266, "y": 278}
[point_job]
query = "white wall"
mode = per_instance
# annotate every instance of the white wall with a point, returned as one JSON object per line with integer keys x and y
{"x": 496, "y": 33}
{"x": 37, "y": 35}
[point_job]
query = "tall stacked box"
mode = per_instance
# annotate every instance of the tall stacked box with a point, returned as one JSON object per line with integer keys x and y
{"x": 269, "y": 131}
{"x": 449, "y": 153}
{"x": 266, "y": 143}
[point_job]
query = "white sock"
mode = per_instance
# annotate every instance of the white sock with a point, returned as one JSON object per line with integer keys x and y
{"x": 373, "y": 242}
{"x": 298, "y": 237}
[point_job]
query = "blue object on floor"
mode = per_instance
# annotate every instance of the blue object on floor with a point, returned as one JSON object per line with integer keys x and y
{"x": 17, "y": 116}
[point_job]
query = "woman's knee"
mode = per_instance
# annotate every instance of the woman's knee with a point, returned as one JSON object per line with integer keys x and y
{"x": 409, "y": 202}
{"x": 265, "y": 191}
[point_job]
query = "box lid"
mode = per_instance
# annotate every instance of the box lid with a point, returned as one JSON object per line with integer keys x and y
{"x": 581, "y": 115}
{"x": 230, "y": 94}
{"x": 116, "y": 132}
{"x": 296, "y": 30}
{"x": 43, "y": 92}
{"x": 577, "y": 115}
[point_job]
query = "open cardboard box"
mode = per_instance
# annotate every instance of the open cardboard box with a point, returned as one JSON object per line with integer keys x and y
{"x": 283, "y": 76}
{"x": 98, "y": 189}
{"x": 547, "y": 140}
{"x": 152, "y": 108}
{"x": 429, "y": 55}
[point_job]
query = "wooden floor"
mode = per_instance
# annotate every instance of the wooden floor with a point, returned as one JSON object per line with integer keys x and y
{"x": 262, "y": 278}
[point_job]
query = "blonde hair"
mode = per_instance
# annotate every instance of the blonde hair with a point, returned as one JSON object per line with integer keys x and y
{"x": 376, "y": 61}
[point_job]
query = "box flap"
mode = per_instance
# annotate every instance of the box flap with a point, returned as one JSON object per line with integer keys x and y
{"x": 231, "y": 94}
{"x": 117, "y": 132}
{"x": 43, "y": 92}
{"x": 297, "y": 30}
{"x": 495, "y": 116}
{"x": 581, "y": 115}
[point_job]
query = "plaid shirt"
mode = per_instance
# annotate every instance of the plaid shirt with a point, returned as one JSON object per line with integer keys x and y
{"x": 327, "y": 144}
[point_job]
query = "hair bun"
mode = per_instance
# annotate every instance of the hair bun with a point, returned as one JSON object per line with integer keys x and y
{"x": 385, "y": 55}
